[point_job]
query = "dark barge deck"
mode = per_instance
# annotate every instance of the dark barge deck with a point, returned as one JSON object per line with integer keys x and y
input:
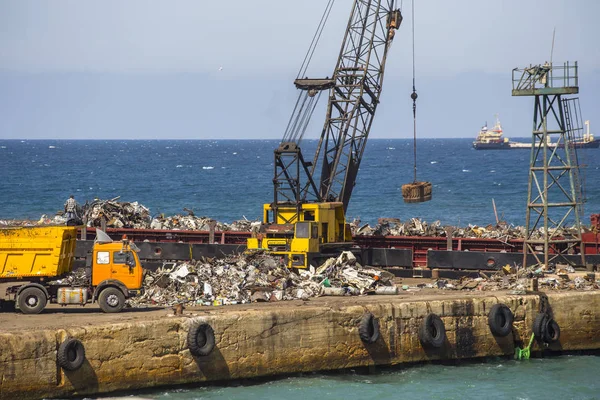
{"x": 405, "y": 255}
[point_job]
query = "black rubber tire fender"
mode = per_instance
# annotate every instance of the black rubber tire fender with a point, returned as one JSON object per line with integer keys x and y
{"x": 539, "y": 326}
{"x": 32, "y": 300}
{"x": 201, "y": 339}
{"x": 71, "y": 354}
{"x": 432, "y": 332}
{"x": 368, "y": 328}
{"x": 111, "y": 300}
{"x": 551, "y": 331}
{"x": 500, "y": 320}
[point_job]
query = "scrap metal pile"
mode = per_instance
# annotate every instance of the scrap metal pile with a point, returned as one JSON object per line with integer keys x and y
{"x": 117, "y": 214}
{"x": 518, "y": 281}
{"x": 134, "y": 215}
{"x": 260, "y": 277}
{"x": 191, "y": 222}
{"x": 121, "y": 214}
{"x": 256, "y": 277}
{"x": 416, "y": 227}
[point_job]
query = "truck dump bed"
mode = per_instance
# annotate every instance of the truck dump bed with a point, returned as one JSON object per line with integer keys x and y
{"x": 36, "y": 252}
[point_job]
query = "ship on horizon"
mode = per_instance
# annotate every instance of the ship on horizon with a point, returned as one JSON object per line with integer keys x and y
{"x": 492, "y": 139}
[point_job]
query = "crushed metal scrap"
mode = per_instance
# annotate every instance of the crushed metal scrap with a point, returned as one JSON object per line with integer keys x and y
{"x": 416, "y": 227}
{"x": 256, "y": 277}
{"x": 121, "y": 214}
{"x": 519, "y": 281}
{"x": 118, "y": 214}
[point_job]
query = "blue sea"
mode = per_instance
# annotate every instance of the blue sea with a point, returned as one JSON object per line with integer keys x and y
{"x": 564, "y": 377}
{"x": 230, "y": 179}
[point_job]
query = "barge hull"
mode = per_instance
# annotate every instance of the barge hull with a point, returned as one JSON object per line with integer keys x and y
{"x": 387, "y": 252}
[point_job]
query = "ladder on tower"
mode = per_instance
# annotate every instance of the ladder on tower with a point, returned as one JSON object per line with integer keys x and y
{"x": 551, "y": 201}
{"x": 573, "y": 136}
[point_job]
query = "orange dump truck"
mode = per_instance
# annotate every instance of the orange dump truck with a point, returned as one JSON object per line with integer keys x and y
{"x": 38, "y": 257}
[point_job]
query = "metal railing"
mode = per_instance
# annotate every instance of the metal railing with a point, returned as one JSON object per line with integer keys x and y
{"x": 543, "y": 76}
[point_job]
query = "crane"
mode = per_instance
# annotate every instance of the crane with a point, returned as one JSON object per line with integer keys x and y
{"x": 306, "y": 219}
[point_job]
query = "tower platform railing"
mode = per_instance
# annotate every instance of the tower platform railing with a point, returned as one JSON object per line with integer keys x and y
{"x": 545, "y": 79}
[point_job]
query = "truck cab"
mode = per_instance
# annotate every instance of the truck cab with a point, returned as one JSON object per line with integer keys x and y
{"x": 114, "y": 265}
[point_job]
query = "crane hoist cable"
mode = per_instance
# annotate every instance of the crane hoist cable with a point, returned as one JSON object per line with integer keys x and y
{"x": 415, "y": 192}
{"x": 315, "y": 39}
{"x": 307, "y": 100}
{"x": 414, "y": 95}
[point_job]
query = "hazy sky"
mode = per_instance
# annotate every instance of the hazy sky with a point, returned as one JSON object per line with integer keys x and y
{"x": 224, "y": 69}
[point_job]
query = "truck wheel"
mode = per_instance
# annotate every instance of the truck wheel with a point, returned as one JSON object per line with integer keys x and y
{"x": 111, "y": 300}
{"x": 32, "y": 300}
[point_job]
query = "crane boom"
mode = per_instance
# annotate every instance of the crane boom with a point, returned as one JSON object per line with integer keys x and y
{"x": 354, "y": 91}
{"x": 308, "y": 218}
{"x": 353, "y": 100}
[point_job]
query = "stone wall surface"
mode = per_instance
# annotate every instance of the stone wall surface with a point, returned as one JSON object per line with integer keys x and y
{"x": 272, "y": 341}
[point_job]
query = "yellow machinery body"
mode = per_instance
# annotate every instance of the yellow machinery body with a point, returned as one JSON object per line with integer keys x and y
{"x": 298, "y": 235}
{"x": 36, "y": 252}
{"x": 37, "y": 256}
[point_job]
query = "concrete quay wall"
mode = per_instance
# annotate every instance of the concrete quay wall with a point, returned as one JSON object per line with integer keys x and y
{"x": 280, "y": 340}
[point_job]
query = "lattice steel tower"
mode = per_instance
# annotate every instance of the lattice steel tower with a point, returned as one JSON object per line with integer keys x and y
{"x": 554, "y": 193}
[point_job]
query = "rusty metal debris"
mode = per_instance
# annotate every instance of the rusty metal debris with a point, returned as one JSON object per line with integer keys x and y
{"x": 256, "y": 277}
{"x": 118, "y": 214}
{"x": 518, "y": 281}
{"x": 191, "y": 222}
{"x": 415, "y": 227}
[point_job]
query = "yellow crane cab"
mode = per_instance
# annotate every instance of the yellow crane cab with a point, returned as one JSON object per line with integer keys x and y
{"x": 299, "y": 237}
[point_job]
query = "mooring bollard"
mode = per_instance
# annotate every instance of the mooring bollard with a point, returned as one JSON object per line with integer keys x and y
{"x": 533, "y": 284}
